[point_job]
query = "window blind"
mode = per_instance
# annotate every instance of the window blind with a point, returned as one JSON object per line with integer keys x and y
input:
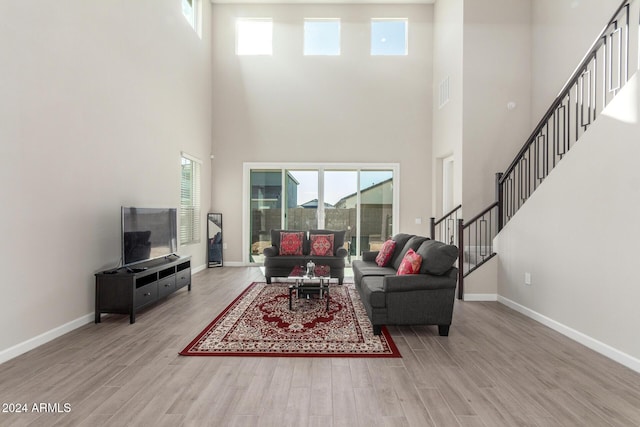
{"x": 190, "y": 201}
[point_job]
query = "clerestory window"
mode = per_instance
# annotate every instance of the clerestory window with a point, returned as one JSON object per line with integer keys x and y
{"x": 389, "y": 36}
{"x": 321, "y": 36}
{"x": 190, "y": 10}
{"x": 254, "y": 36}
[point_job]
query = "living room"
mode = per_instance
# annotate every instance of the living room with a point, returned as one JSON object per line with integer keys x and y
{"x": 101, "y": 99}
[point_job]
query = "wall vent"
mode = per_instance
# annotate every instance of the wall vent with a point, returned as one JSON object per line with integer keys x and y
{"x": 443, "y": 92}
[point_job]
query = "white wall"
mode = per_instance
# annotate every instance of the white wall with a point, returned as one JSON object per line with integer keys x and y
{"x": 483, "y": 46}
{"x": 351, "y": 108}
{"x": 97, "y": 100}
{"x": 520, "y": 51}
{"x": 577, "y": 237}
{"x": 497, "y": 70}
{"x": 447, "y": 119}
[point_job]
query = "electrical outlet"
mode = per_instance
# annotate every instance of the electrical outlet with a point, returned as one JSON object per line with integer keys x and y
{"x": 224, "y": 246}
{"x": 418, "y": 220}
{"x": 527, "y": 279}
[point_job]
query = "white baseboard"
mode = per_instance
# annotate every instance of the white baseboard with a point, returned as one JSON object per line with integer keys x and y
{"x": 198, "y": 269}
{"x": 595, "y": 345}
{"x": 44, "y": 338}
{"x": 238, "y": 264}
{"x": 480, "y": 297}
{"x": 30, "y": 344}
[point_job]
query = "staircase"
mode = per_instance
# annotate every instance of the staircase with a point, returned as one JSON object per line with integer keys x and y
{"x": 606, "y": 68}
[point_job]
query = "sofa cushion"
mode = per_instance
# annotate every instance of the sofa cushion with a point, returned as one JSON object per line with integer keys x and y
{"x": 420, "y": 282}
{"x": 275, "y": 236}
{"x": 386, "y": 252}
{"x": 338, "y": 238}
{"x": 437, "y": 257}
{"x": 373, "y": 291}
{"x": 414, "y": 243}
{"x": 291, "y": 243}
{"x": 373, "y": 270}
{"x": 401, "y": 240}
{"x": 410, "y": 263}
{"x": 321, "y": 244}
{"x": 369, "y": 268}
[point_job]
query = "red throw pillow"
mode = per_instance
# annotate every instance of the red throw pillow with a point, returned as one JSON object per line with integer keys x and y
{"x": 410, "y": 263}
{"x": 291, "y": 243}
{"x": 321, "y": 244}
{"x": 386, "y": 252}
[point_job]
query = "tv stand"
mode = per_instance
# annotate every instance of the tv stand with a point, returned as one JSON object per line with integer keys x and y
{"x": 130, "y": 289}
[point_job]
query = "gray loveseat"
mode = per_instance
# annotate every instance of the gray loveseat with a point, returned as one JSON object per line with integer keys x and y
{"x": 277, "y": 265}
{"x": 425, "y": 298}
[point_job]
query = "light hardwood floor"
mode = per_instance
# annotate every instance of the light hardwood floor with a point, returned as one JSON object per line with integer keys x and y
{"x": 496, "y": 368}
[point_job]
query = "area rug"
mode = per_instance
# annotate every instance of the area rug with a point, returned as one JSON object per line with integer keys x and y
{"x": 260, "y": 323}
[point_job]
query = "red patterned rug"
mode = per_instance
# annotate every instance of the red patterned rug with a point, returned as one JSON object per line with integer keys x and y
{"x": 259, "y": 323}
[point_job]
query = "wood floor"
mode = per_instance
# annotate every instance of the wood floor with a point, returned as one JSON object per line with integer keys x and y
{"x": 496, "y": 368}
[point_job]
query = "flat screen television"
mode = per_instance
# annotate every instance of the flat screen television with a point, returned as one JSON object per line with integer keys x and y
{"x": 148, "y": 233}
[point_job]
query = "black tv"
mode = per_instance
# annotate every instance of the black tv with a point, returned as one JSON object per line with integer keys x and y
{"x": 148, "y": 233}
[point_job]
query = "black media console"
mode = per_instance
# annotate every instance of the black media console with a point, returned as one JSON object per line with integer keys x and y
{"x": 129, "y": 289}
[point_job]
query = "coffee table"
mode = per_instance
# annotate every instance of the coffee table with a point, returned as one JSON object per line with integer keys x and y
{"x": 306, "y": 286}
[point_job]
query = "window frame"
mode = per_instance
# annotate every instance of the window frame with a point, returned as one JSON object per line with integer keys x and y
{"x": 194, "y": 17}
{"x": 321, "y": 20}
{"x": 190, "y": 227}
{"x": 406, "y": 36}
{"x": 238, "y": 24}
{"x": 283, "y": 167}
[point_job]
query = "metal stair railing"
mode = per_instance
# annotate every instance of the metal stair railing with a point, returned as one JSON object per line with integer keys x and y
{"x": 602, "y": 73}
{"x": 475, "y": 243}
{"x": 605, "y": 69}
{"x": 445, "y": 229}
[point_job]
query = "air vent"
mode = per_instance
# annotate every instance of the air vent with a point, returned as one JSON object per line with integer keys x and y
{"x": 443, "y": 93}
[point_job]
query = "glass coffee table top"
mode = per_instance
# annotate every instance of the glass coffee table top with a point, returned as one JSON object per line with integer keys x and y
{"x": 320, "y": 272}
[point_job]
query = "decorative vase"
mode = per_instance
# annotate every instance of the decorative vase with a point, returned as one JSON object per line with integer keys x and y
{"x": 311, "y": 267}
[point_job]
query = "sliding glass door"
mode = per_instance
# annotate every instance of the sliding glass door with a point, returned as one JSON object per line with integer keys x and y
{"x": 376, "y": 209}
{"x": 358, "y": 199}
{"x": 265, "y": 208}
{"x": 302, "y": 200}
{"x": 341, "y": 193}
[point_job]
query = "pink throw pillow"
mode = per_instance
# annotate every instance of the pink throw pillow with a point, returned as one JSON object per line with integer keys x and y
{"x": 386, "y": 252}
{"x": 410, "y": 263}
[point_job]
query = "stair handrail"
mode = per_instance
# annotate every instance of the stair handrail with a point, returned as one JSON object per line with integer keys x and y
{"x": 568, "y": 85}
{"x": 504, "y": 180}
{"x": 451, "y": 216}
{"x": 523, "y": 158}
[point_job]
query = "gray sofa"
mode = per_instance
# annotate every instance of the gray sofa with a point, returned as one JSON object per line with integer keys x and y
{"x": 277, "y": 265}
{"x": 425, "y": 298}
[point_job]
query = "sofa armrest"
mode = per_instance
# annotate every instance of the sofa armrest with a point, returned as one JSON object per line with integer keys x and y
{"x": 270, "y": 251}
{"x": 420, "y": 282}
{"x": 342, "y": 253}
{"x": 369, "y": 255}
